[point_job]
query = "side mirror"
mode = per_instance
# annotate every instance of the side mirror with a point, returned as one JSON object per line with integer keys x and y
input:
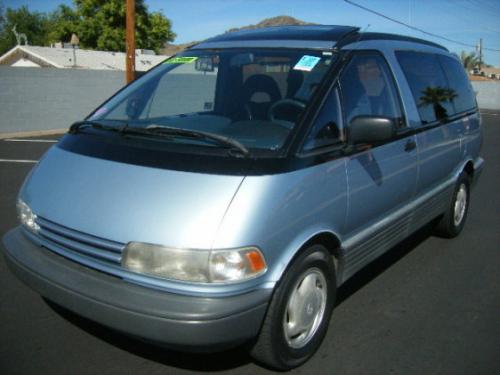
{"x": 330, "y": 130}
{"x": 371, "y": 129}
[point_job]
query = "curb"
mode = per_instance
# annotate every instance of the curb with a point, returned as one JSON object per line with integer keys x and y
{"x": 34, "y": 133}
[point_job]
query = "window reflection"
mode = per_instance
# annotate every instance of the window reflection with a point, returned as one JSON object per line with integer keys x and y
{"x": 438, "y": 83}
{"x": 368, "y": 89}
{"x": 436, "y": 98}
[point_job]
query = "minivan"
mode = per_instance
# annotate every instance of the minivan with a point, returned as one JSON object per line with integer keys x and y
{"x": 223, "y": 197}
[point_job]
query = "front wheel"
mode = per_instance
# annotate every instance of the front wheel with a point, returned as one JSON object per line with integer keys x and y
{"x": 299, "y": 312}
{"x": 453, "y": 220}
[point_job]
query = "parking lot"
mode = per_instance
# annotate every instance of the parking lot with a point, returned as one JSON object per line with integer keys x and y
{"x": 430, "y": 305}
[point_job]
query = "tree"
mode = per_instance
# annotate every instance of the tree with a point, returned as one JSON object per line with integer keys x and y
{"x": 2, "y": 18}
{"x": 100, "y": 24}
{"x": 154, "y": 37}
{"x": 469, "y": 60}
{"x": 64, "y": 22}
{"x": 435, "y": 96}
{"x": 34, "y": 24}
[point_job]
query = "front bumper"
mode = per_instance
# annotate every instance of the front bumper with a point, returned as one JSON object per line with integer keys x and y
{"x": 179, "y": 321}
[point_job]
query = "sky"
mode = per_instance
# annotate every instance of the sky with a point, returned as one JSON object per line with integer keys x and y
{"x": 463, "y": 20}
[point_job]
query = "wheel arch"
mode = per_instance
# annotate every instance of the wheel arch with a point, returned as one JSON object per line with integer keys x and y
{"x": 469, "y": 169}
{"x": 330, "y": 240}
{"x": 466, "y": 166}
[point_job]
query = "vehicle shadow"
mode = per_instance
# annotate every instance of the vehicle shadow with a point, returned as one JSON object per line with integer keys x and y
{"x": 203, "y": 362}
{"x": 232, "y": 358}
{"x": 382, "y": 263}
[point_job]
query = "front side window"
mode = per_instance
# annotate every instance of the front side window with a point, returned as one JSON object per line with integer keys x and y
{"x": 253, "y": 96}
{"x": 368, "y": 89}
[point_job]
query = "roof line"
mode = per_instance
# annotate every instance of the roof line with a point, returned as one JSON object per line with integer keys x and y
{"x": 55, "y": 65}
{"x": 8, "y": 53}
{"x": 13, "y": 50}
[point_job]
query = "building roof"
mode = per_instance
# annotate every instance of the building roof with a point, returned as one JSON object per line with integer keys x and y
{"x": 85, "y": 59}
{"x": 492, "y": 70}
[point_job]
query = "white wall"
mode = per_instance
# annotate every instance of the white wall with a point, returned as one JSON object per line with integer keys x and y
{"x": 25, "y": 63}
{"x": 50, "y": 98}
{"x": 488, "y": 94}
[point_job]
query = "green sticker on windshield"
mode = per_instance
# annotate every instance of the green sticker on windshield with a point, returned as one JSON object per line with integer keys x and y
{"x": 181, "y": 60}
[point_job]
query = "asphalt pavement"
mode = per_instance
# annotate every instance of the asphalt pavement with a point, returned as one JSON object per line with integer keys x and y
{"x": 429, "y": 305}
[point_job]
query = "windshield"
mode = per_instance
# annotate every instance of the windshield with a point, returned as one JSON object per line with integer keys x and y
{"x": 253, "y": 96}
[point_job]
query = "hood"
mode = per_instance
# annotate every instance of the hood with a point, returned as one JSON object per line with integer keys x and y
{"x": 123, "y": 202}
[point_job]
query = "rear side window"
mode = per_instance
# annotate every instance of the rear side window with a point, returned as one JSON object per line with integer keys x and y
{"x": 464, "y": 98}
{"x": 428, "y": 84}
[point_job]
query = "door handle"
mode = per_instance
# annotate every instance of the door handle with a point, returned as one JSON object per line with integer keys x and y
{"x": 410, "y": 145}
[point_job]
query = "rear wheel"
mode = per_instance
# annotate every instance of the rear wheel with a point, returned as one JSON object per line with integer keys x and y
{"x": 299, "y": 312}
{"x": 453, "y": 220}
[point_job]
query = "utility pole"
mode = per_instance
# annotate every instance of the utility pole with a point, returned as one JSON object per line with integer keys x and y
{"x": 480, "y": 53}
{"x": 130, "y": 41}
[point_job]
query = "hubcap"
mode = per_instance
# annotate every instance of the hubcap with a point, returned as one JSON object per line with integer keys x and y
{"x": 460, "y": 205}
{"x": 305, "y": 308}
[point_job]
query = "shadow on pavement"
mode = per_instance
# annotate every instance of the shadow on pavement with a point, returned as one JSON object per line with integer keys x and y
{"x": 228, "y": 359}
{"x": 385, "y": 261}
{"x": 233, "y": 358}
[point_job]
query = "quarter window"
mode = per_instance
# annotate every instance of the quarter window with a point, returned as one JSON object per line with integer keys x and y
{"x": 327, "y": 129}
{"x": 464, "y": 98}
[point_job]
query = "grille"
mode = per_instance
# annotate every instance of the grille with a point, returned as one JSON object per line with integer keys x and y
{"x": 59, "y": 238}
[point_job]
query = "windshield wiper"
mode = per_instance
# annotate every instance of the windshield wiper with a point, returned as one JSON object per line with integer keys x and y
{"x": 171, "y": 131}
{"x": 163, "y": 131}
{"x": 73, "y": 129}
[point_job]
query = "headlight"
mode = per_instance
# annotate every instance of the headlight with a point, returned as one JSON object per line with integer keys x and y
{"x": 26, "y": 216}
{"x": 204, "y": 266}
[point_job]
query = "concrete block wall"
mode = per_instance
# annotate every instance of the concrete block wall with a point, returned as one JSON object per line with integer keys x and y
{"x": 50, "y": 98}
{"x": 488, "y": 94}
{"x": 43, "y": 99}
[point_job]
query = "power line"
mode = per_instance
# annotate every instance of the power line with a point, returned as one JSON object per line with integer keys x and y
{"x": 455, "y": 3}
{"x": 416, "y": 28}
{"x": 484, "y": 4}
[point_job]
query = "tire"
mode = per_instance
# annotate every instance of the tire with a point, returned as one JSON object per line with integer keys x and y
{"x": 300, "y": 309}
{"x": 453, "y": 220}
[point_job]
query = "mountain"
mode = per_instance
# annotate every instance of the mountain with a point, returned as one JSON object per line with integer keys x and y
{"x": 172, "y": 49}
{"x": 274, "y": 21}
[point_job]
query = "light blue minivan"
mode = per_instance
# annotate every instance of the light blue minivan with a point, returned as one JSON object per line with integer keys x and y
{"x": 224, "y": 196}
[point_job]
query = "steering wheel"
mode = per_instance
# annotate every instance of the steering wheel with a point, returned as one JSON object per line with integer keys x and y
{"x": 284, "y": 102}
